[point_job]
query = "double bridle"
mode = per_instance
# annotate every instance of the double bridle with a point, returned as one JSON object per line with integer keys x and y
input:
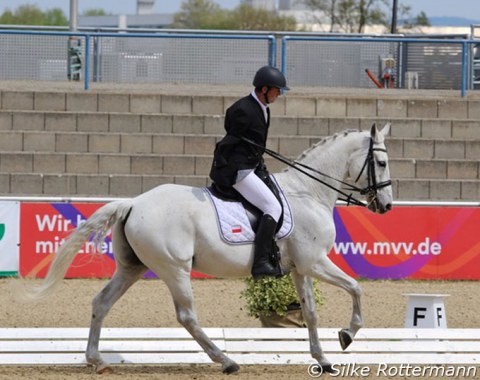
{"x": 369, "y": 163}
{"x": 370, "y": 190}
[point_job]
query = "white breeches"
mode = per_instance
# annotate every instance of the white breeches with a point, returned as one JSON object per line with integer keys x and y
{"x": 257, "y": 193}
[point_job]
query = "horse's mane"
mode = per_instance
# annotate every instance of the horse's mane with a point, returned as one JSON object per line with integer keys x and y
{"x": 326, "y": 140}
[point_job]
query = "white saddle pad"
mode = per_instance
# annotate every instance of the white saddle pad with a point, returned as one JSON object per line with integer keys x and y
{"x": 233, "y": 223}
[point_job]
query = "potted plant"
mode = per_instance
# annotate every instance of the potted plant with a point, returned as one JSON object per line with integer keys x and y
{"x": 275, "y": 301}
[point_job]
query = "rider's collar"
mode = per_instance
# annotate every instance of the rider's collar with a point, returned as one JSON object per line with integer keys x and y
{"x": 264, "y": 107}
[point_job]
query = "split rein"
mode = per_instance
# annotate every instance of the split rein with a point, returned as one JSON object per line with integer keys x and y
{"x": 369, "y": 164}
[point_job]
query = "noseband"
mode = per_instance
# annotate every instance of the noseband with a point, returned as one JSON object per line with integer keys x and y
{"x": 369, "y": 164}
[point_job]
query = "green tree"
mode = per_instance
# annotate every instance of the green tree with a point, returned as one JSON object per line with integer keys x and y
{"x": 205, "y": 14}
{"x": 33, "y": 15}
{"x": 245, "y": 17}
{"x": 348, "y": 16}
{"x": 55, "y": 16}
{"x": 7, "y": 17}
{"x": 420, "y": 20}
{"x": 95, "y": 12}
{"x": 352, "y": 16}
{"x": 199, "y": 14}
{"x": 322, "y": 12}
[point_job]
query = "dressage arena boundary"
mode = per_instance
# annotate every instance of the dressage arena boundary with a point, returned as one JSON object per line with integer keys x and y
{"x": 261, "y": 346}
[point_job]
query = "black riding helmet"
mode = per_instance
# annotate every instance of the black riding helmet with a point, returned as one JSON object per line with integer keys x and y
{"x": 271, "y": 77}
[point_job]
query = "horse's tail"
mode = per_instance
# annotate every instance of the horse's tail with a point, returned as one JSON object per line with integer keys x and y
{"x": 96, "y": 227}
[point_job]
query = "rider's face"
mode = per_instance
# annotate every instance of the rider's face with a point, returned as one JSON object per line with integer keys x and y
{"x": 271, "y": 94}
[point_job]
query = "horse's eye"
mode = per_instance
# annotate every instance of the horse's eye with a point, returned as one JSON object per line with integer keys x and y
{"x": 382, "y": 164}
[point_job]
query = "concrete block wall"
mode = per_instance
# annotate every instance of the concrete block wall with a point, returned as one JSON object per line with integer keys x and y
{"x": 117, "y": 144}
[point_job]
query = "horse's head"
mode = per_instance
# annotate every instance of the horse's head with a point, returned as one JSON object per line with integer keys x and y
{"x": 369, "y": 167}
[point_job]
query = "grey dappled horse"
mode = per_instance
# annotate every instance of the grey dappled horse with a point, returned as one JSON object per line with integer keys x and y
{"x": 172, "y": 229}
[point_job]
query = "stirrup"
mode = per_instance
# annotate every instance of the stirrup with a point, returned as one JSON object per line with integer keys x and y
{"x": 273, "y": 271}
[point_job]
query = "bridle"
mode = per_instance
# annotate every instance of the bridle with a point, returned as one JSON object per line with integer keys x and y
{"x": 370, "y": 190}
{"x": 369, "y": 163}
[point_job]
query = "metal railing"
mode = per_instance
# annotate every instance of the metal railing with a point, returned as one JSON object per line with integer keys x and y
{"x": 147, "y": 57}
{"x": 73, "y": 199}
{"x": 231, "y": 57}
{"x": 395, "y": 47}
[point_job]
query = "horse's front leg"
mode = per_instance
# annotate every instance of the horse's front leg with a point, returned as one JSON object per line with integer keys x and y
{"x": 304, "y": 287}
{"x": 327, "y": 271}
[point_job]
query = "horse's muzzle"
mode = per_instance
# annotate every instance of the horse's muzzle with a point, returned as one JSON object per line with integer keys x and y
{"x": 374, "y": 205}
{"x": 385, "y": 209}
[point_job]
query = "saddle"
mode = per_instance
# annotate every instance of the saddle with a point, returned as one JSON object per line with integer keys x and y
{"x": 238, "y": 219}
{"x": 230, "y": 194}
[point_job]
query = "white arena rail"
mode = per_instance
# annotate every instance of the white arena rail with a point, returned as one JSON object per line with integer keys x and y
{"x": 66, "y": 346}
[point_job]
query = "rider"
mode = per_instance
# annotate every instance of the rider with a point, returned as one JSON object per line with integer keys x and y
{"x": 236, "y": 161}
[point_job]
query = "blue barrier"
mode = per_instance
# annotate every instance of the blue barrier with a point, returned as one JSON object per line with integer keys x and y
{"x": 270, "y": 38}
{"x": 272, "y": 44}
{"x": 463, "y": 43}
{"x": 89, "y": 35}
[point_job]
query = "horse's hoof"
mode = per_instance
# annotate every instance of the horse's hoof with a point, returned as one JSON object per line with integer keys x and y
{"x": 317, "y": 370}
{"x": 232, "y": 368}
{"x": 345, "y": 338}
{"x": 104, "y": 370}
{"x": 327, "y": 368}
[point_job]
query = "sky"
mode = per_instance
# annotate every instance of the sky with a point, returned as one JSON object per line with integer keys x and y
{"x": 469, "y": 9}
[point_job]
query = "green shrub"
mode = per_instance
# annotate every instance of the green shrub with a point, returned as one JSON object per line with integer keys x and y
{"x": 271, "y": 295}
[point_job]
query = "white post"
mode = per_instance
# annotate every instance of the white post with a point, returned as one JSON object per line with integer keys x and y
{"x": 412, "y": 80}
{"x": 73, "y": 15}
{"x": 122, "y": 22}
{"x": 74, "y": 62}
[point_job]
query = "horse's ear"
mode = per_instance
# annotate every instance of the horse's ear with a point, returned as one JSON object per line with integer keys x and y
{"x": 379, "y": 136}
{"x": 385, "y": 130}
{"x": 374, "y": 134}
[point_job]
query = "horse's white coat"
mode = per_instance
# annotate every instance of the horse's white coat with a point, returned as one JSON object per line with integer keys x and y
{"x": 172, "y": 229}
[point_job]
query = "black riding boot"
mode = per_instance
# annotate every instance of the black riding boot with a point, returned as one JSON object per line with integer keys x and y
{"x": 264, "y": 250}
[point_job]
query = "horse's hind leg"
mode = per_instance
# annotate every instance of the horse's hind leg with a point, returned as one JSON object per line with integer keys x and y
{"x": 129, "y": 270}
{"x": 181, "y": 290}
{"x": 101, "y": 305}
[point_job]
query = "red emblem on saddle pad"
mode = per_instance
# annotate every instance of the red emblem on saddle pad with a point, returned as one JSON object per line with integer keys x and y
{"x": 236, "y": 230}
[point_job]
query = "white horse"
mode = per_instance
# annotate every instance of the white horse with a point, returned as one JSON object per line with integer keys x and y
{"x": 172, "y": 229}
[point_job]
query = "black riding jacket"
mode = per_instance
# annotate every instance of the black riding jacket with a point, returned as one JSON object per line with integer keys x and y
{"x": 244, "y": 118}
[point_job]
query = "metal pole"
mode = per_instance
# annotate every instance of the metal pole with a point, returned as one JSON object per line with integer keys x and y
{"x": 273, "y": 49}
{"x": 393, "y": 29}
{"x": 73, "y": 15}
{"x": 74, "y": 63}
{"x": 87, "y": 62}
{"x": 284, "y": 56}
{"x": 464, "y": 68}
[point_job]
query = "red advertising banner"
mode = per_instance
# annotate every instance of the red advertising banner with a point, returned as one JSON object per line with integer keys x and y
{"x": 44, "y": 226}
{"x": 408, "y": 242}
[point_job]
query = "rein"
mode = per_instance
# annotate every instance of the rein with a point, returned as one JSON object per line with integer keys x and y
{"x": 348, "y": 198}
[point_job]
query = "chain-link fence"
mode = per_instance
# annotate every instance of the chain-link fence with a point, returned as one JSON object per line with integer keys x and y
{"x": 330, "y": 61}
{"x": 343, "y": 62}
{"x": 125, "y": 57}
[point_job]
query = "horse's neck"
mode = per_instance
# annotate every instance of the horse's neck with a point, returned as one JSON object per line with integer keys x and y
{"x": 330, "y": 156}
